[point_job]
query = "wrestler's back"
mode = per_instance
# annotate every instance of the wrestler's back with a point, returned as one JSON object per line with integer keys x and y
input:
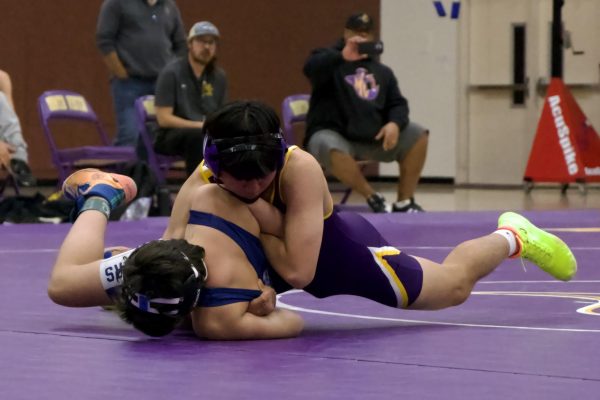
{"x": 227, "y": 263}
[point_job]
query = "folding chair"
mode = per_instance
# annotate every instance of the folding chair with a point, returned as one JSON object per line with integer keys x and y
{"x": 9, "y": 180}
{"x": 159, "y": 163}
{"x": 293, "y": 111}
{"x": 97, "y": 152}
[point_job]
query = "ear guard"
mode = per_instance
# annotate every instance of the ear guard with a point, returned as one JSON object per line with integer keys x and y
{"x": 268, "y": 142}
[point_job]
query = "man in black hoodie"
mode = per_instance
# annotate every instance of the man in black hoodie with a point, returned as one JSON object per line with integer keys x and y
{"x": 357, "y": 111}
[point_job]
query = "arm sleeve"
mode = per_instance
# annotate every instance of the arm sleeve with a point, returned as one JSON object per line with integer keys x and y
{"x": 223, "y": 98}
{"x": 164, "y": 94}
{"x": 178, "y": 37}
{"x": 320, "y": 65}
{"x": 108, "y": 26}
{"x": 396, "y": 105}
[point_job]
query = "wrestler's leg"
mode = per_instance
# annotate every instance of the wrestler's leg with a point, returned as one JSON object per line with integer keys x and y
{"x": 75, "y": 280}
{"x": 450, "y": 283}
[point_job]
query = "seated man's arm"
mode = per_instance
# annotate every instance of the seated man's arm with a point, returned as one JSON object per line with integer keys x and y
{"x": 396, "y": 105}
{"x": 166, "y": 119}
{"x": 6, "y": 151}
{"x": 320, "y": 65}
{"x": 233, "y": 322}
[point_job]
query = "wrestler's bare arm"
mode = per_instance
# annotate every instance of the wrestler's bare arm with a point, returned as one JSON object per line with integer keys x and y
{"x": 181, "y": 208}
{"x": 233, "y": 322}
{"x": 304, "y": 189}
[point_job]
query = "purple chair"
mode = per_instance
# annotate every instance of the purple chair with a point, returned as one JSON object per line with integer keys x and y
{"x": 65, "y": 105}
{"x": 293, "y": 110}
{"x": 159, "y": 163}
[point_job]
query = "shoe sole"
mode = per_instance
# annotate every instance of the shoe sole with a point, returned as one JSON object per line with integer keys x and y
{"x": 129, "y": 186}
{"x": 124, "y": 182}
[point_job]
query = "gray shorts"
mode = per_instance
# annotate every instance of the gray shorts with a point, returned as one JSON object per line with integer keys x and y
{"x": 322, "y": 142}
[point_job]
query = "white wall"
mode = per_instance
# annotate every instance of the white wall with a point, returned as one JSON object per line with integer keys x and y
{"x": 421, "y": 48}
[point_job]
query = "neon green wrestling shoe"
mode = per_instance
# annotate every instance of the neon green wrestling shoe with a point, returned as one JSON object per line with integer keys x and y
{"x": 544, "y": 249}
{"x": 116, "y": 189}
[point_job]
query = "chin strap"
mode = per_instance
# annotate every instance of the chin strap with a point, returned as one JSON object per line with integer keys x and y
{"x": 243, "y": 199}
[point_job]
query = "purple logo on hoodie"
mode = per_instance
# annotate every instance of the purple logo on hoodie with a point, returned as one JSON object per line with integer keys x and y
{"x": 364, "y": 84}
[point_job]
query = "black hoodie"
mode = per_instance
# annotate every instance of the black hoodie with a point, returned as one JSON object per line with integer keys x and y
{"x": 353, "y": 98}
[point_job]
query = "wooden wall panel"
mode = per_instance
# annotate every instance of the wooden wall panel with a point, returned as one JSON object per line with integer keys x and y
{"x": 50, "y": 45}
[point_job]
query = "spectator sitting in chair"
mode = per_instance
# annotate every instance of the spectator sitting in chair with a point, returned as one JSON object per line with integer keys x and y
{"x": 357, "y": 110}
{"x": 13, "y": 148}
{"x": 187, "y": 90}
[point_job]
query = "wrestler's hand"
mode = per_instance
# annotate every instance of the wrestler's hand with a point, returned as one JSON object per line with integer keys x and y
{"x": 114, "y": 250}
{"x": 265, "y": 303}
{"x": 5, "y": 151}
{"x": 389, "y": 133}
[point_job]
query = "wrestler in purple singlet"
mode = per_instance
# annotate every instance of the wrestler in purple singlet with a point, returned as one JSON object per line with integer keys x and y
{"x": 355, "y": 259}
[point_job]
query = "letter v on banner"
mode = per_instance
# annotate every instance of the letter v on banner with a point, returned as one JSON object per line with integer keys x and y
{"x": 566, "y": 147}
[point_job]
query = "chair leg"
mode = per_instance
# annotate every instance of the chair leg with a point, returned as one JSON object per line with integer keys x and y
{"x": 3, "y": 186}
{"x": 347, "y": 194}
{"x": 9, "y": 179}
{"x": 15, "y": 185}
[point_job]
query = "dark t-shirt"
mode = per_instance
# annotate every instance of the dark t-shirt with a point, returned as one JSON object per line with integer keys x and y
{"x": 191, "y": 98}
{"x": 145, "y": 37}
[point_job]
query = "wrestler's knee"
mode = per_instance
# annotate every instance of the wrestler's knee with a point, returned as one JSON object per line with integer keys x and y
{"x": 459, "y": 290}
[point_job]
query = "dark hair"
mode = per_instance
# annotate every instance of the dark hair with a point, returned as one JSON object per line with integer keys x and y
{"x": 242, "y": 118}
{"x": 161, "y": 269}
{"x": 246, "y": 118}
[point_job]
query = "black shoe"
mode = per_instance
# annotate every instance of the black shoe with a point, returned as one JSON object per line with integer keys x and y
{"x": 377, "y": 203}
{"x": 411, "y": 207}
{"x": 22, "y": 173}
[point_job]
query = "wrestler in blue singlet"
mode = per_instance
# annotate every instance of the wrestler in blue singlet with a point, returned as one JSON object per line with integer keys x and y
{"x": 250, "y": 245}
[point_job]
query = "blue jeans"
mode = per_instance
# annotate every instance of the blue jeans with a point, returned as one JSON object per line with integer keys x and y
{"x": 124, "y": 93}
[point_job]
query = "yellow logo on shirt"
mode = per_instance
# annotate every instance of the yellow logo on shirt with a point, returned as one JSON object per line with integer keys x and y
{"x": 207, "y": 89}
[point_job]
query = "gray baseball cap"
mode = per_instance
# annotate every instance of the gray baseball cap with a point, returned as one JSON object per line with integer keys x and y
{"x": 203, "y": 28}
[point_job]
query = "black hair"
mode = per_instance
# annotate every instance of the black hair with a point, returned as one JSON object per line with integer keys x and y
{"x": 242, "y": 118}
{"x": 246, "y": 118}
{"x": 160, "y": 269}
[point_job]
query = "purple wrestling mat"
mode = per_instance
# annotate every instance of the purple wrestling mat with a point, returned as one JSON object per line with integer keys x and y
{"x": 521, "y": 335}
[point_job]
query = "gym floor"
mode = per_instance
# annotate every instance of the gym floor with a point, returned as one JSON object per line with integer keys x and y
{"x": 521, "y": 335}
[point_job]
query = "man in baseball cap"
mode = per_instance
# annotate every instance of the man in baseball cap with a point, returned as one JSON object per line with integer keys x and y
{"x": 187, "y": 91}
{"x": 358, "y": 112}
{"x": 360, "y": 22}
{"x": 203, "y": 28}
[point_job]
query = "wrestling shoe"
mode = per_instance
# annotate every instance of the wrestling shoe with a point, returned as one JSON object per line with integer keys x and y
{"x": 544, "y": 249}
{"x": 114, "y": 188}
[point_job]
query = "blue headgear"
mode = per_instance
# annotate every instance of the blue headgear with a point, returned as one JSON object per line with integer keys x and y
{"x": 272, "y": 143}
{"x": 174, "y": 306}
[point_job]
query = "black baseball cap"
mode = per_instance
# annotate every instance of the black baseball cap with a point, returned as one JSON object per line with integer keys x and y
{"x": 360, "y": 22}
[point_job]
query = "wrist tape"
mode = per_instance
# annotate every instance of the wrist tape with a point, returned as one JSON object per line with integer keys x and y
{"x": 96, "y": 203}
